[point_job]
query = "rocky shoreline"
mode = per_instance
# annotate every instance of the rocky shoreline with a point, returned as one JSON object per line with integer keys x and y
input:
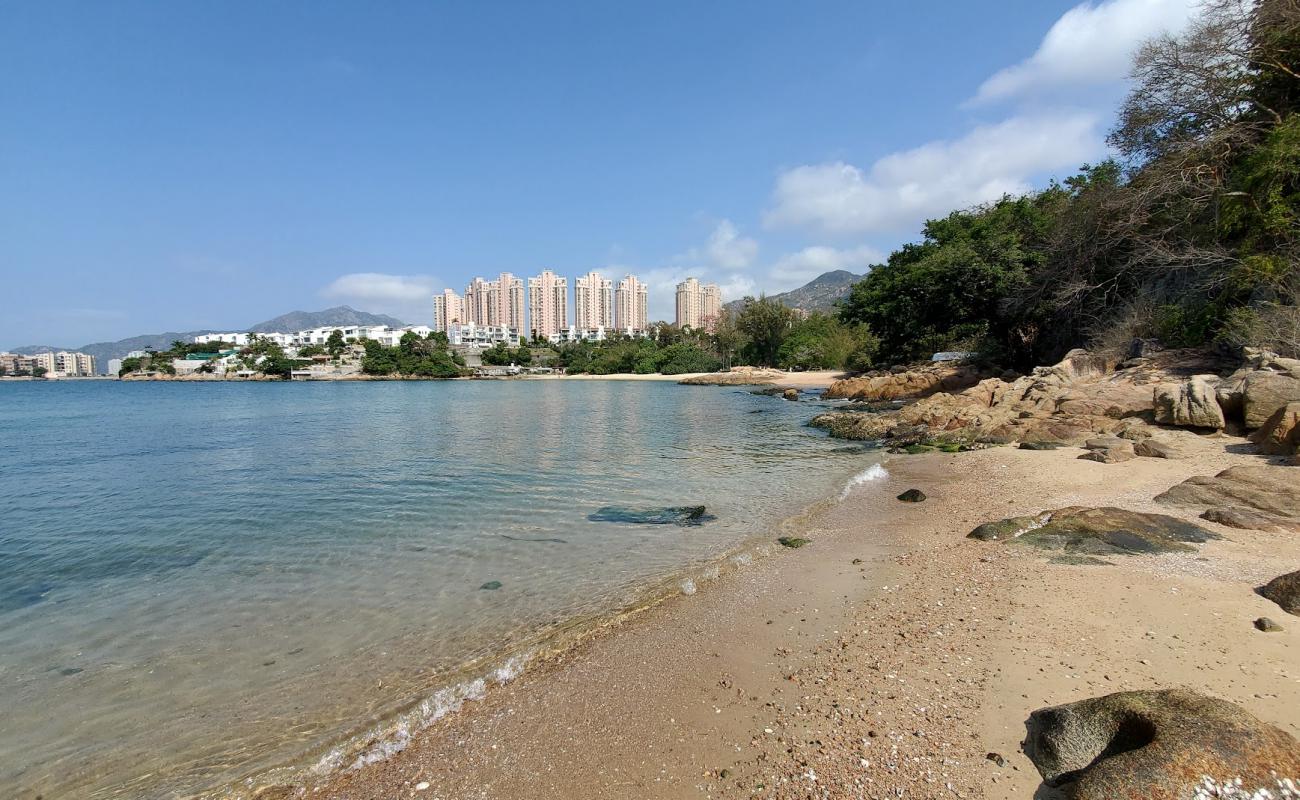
{"x": 994, "y": 621}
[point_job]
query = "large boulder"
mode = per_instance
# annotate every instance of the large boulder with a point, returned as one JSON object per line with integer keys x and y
{"x": 1192, "y": 403}
{"x": 1280, "y": 433}
{"x": 1263, "y": 393}
{"x": 1097, "y": 531}
{"x": 1285, "y": 591}
{"x": 1270, "y": 489}
{"x": 1156, "y": 745}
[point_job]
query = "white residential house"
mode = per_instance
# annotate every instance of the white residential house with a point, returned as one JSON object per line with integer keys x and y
{"x": 481, "y": 337}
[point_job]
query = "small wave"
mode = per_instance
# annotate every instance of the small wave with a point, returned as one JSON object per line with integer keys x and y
{"x": 872, "y": 473}
{"x": 687, "y": 586}
{"x": 389, "y": 739}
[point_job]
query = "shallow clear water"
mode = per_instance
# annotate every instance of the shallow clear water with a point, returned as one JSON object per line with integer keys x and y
{"x": 199, "y": 582}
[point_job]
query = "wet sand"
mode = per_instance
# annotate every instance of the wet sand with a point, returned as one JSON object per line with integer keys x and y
{"x": 890, "y": 653}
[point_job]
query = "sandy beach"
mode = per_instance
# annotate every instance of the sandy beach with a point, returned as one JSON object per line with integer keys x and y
{"x": 890, "y": 657}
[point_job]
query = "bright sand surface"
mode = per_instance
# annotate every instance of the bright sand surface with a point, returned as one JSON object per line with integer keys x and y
{"x": 891, "y": 652}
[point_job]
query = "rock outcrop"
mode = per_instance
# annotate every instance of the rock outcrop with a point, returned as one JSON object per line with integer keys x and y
{"x": 1152, "y": 447}
{"x": 1193, "y": 403}
{"x": 1156, "y": 745}
{"x": 1267, "y": 490}
{"x": 1066, "y": 403}
{"x": 1097, "y": 531}
{"x": 1280, "y": 433}
{"x": 1250, "y": 519}
{"x": 920, "y": 381}
{"x": 1263, "y": 393}
{"x": 736, "y": 376}
{"x": 1285, "y": 591}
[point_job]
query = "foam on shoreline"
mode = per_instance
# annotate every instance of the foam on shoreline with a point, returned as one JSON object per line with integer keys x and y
{"x": 875, "y": 472}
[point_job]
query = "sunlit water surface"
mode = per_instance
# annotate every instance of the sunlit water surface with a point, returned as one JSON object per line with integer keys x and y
{"x": 201, "y": 582}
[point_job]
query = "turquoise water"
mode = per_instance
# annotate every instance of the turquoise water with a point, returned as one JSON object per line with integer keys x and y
{"x": 201, "y": 582}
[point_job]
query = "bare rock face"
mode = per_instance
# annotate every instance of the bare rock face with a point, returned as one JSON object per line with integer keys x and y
{"x": 921, "y": 381}
{"x": 1272, "y": 490}
{"x": 1192, "y": 403}
{"x": 1285, "y": 591}
{"x": 1280, "y": 434}
{"x": 1156, "y": 745}
{"x": 1263, "y": 393}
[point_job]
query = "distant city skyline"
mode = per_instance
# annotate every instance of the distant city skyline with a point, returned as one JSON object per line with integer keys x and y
{"x": 543, "y": 309}
{"x": 185, "y": 167}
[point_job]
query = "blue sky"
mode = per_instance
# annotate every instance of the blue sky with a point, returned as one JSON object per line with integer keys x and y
{"x": 180, "y": 165}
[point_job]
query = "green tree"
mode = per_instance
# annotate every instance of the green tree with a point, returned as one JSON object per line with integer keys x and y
{"x": 765, "y": 324}
{"x": 334, "y": 344}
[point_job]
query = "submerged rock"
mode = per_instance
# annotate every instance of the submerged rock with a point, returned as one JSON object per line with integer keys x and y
{"x": 491, "y": 586}
{"x": 685, "y": 516}
{"x": 1097, "y": 531}
{"x": 1155, "y": 745}
{"x": 912, "y": 496}
{"x": 1285, "y": 591}
{"x": 790, "y": 394}
{"x": 793, "y": 541}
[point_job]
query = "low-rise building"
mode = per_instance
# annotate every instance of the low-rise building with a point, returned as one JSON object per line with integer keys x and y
{"x": 16, "y": 364}
{"x": 389, "y": 337}
{"x": 480, "y": 337}
{"x": 64, "y": 364}
{"x": 576, "y": 334}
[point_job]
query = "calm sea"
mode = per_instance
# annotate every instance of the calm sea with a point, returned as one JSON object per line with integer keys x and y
{"x": 202, "y": 582}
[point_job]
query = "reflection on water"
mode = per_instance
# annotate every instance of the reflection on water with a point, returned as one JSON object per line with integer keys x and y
{"x": 198, "y": 582}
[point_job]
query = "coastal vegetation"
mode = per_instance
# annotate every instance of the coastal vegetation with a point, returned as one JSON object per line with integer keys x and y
{"x": 1190, "y": 236}
{"x": 763, "y": 333}
{"x": 424, "y": 357}
{"x": 161, "y": 360}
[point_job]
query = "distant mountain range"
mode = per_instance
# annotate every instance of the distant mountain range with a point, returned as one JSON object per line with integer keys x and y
{"x": 339, "y": 315}
{"x": 293, "y": 321}
{"x": 819, "y": 294}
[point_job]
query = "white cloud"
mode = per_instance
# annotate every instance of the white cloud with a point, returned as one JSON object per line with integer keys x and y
{"x": 901, "y": 189}
{"x": 726, "y": 248}
{"x": 795, "y": 269}
{"x": 409, "y": 297}
{"x": 1089, "y": 44}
